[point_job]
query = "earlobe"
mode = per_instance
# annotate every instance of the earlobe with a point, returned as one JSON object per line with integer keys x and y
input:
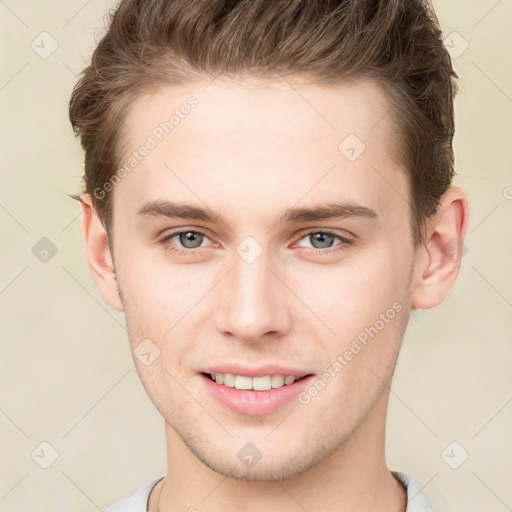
{"x": 443, "y": 250}
{"x": 98, "y": 254}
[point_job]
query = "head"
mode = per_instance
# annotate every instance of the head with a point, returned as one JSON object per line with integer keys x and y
{"x": 244, "y": 125}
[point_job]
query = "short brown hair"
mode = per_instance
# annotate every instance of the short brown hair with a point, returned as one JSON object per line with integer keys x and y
{"x": 396, "y": 43}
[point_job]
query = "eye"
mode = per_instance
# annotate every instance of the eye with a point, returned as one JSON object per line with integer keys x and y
{"x": 190, "y": 241}
{"x": 323, "y": 239}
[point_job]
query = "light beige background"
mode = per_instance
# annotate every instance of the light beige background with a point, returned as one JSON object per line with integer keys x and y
{"x": 67, "y": 377}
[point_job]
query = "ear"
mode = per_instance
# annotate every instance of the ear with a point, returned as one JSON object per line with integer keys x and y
{"x": 440, "y": 257}
{"x": 98, "y": 254}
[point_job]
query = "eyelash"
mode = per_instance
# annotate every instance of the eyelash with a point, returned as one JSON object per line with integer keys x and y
{"x": 345, "y": 242}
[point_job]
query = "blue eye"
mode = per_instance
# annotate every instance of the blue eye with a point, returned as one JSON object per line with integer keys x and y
{"x": 191, "y": 241}
{"x": 324, "y": 239}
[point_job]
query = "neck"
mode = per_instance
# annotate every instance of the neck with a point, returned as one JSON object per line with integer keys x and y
{"x": 352, "y": 477}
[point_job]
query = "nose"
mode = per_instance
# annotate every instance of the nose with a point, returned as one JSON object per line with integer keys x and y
{"x": 252, "y": 302}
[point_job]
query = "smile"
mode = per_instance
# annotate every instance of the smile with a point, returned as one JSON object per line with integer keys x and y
{"x": 263, "y": 383}
{"x": 254, "y": 396}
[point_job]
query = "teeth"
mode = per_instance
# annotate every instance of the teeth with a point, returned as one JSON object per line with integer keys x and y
{"x": 277, "y": 381}
{"x": 262, "y": 383}
{"x": 257, "y": 383}
{"x": 229, "y": 379}
{"x": 243, "y": 382}
{"x": 289, "y": 380}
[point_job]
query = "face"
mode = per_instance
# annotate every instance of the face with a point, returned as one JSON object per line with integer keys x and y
{"x": 269, "y": 283}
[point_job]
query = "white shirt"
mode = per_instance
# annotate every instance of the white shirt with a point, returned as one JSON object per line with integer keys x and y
{"x": 138, "y": 501}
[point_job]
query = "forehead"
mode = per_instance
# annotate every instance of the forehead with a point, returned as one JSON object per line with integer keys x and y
{"x": 264, "y": 108}
{"x": 237, "y": 144}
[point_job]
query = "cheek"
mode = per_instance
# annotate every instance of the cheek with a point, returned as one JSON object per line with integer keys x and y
{"x": 161, "y": 302}
{"x": 365, "y": 308}
{"x": 353, "y": 294}
{"x": 358, "y": 364}
{"x": 158, "y": 293}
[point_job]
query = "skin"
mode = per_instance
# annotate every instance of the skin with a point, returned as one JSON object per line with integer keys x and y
{"x": 250, "y": 151}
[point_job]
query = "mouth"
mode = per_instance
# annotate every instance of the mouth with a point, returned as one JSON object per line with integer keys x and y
{"x": 254, "y": 396}
{"x": 262, "y": 383}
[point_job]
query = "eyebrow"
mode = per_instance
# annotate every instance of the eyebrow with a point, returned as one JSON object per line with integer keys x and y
{"x": 323, "y": 211}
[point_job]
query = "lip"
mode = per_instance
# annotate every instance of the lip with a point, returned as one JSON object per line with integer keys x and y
{"x": 260, "y": 371}
{"x": 255, "y": 403}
